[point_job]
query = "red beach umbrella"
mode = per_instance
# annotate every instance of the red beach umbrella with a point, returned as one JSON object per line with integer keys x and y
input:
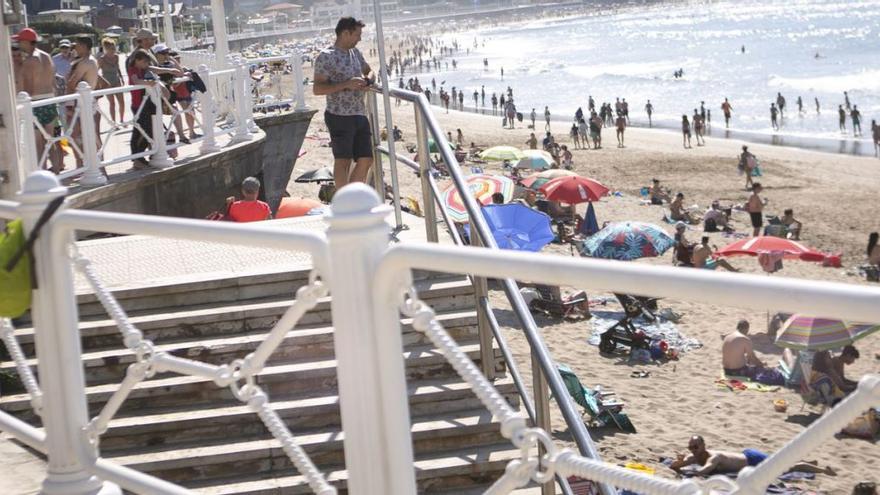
{"x": 792, "y": 250}
{"x": 573, "y": 190}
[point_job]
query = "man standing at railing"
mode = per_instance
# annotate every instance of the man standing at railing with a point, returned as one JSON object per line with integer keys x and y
{"x": 341, "y": 74}
{"x": 36, "y": 77}
{"x": 83, "y": 69}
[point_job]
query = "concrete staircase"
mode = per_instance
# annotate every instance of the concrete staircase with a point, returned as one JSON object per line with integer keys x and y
{"x": 187, "y": 430}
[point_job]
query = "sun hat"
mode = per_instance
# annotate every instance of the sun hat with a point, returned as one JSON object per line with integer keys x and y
{"x": 26, "y": 34}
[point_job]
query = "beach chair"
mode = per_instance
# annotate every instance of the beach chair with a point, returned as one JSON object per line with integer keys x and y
{"x": 551, "y": 304}
{"x": 602, "y": 405}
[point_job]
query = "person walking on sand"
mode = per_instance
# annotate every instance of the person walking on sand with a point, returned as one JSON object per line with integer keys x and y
{"x": 621, "y": 127}
{"x": 818, "y": 110}
{"x": 591, "y": 104}
{"x": 800, "y": 104}
{"x": 755, "y": 207}
{"x": 534, "y": 116}
{"x": 856, "y": 117}
{"x": 698, "y": 128}
{"x": 596, "y": 131}
{"x": 774, "y": 113}
{"x": 649, "y": 109}
{"x": 747, "y": 163}
{"x": 685, "y": 132}
{"x": 547, "y": 118}
{"x": 573, "y": 134}
{"x": 726, "y": 108}
{"x": 841, "y": 114}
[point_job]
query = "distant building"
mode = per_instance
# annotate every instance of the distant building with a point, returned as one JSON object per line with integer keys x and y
{"x": 75, "y": 16}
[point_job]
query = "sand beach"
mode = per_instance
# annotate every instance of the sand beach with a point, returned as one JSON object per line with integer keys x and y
{"x": 834, "y": 195}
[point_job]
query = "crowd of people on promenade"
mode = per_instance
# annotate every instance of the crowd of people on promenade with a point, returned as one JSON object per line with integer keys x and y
{"x": 149, "y": 64}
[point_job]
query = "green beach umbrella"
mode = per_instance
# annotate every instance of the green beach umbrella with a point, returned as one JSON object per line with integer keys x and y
{"x": 433, "y": 147}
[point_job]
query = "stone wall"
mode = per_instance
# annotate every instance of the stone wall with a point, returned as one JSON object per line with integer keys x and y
{"x": 285, "y": 133}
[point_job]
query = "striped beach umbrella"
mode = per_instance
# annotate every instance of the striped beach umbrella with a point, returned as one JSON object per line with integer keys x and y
{"x": 482, "y": 187}
{"x": 535, "y": 160}
{"x": 501, "y": 153}
{"x": 817, "y": 334}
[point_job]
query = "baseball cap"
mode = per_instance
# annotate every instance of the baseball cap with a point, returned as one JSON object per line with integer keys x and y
{"x": 64, "y": 43}
{"x": 161, "y": 48}
{"x": 144, "y": 34}
{"x": 26, "y": 34}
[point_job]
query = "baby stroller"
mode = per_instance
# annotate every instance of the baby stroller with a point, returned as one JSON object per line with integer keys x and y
{"x": 624, "y": 332}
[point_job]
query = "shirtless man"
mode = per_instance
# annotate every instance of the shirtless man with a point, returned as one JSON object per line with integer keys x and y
{"x": 656, "y": 193}
{"x": 83, "y": 69}
{"x": 649, "y": 109}
{"x": 621, "y": 128}
{"x": 36, "y": 77}
{"x": 701, "y": 257}
{"x": 716, "y": 461}
{"x": 755, "y": 207}
{"x": 792, "y": 224}
{"x": 726, "y": 108}
{"x": 677, "y": 211}
{"x": 737, "y": 355}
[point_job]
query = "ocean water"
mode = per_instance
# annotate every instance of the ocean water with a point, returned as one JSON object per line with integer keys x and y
{"x": 633, "y": 53}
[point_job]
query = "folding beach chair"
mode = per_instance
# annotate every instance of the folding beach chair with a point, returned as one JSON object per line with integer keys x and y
{"x": 550, "y": 304}
{"x": 602, "y": 406}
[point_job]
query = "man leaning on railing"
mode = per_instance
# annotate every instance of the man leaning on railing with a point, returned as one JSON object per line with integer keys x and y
{"x": 341, "y": 74}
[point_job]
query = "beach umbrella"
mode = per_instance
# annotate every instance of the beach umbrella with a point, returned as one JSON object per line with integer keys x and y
{"x": 754, "y": 246}
{"x": 627, "y": 241}
{"x": 482, "y": 187}
{"x": 534, "y": 182}
{"x": 535, "y": 160}
{"x": 433, "y": 147}
{"x": 517, "y": 227}
{"x": 554, "y": 173}
{"x": 819, "y": 334}
{"x": 573, "y": 190}
{"x": 501, "y": 153}
{"x": 590, "y": 225}
{"x": 296, "y": 207}
{"x": 322, "y": 174}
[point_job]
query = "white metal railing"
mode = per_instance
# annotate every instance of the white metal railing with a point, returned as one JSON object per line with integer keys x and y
{"x": 85, "y": 146}
{"x": 368, "y": 279}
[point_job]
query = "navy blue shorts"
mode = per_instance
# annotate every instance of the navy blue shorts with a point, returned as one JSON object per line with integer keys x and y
{"x": 754, "y": 457}
{"x": 349, "y": 136}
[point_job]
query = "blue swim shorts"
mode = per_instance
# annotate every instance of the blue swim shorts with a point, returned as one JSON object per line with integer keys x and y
{"x": 754, "y": 457}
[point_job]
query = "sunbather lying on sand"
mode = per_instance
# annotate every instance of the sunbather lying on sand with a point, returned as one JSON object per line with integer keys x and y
{"x": 716, "y": 461}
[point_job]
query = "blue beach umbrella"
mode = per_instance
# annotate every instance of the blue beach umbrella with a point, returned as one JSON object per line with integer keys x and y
{"x": 627, "y": 241}
{"x": 518, "y": 227}
{"x": 591, "y": 225}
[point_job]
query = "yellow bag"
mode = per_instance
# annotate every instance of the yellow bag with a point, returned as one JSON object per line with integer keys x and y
{"x": 15, "y": 272}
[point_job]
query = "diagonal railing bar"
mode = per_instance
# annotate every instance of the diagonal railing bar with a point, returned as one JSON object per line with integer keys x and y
{"x": 150, "y": 361}
{"x": 25, "y": 374}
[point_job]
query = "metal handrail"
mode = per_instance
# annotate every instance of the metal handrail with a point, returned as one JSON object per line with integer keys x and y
{"x": 538, "y": 348}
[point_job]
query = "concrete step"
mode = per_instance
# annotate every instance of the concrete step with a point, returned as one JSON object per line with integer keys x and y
{"x": 205, "y": 289}
{"x": 308, "y": 378}
{"x": 449, "y": 472}
{"x": 223, "y": 318}
{"x": 229, "y": 458}
{"x": 109, "y": 365}
{"x": 214, "y": 423}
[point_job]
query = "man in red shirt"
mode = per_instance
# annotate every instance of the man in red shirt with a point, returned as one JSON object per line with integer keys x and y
{"x": 249, "y": 208}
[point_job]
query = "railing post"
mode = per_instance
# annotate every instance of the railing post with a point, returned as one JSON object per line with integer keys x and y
{"x": 242, "y": 101}
{"x": 541, "y": 392}
{"x": 92, "y": 175}
{"x": 481, "y": 290}
{"x": 296, "y": 64}
{"x": 425, "y": 175}
{"x": 368, "y": 346}
{"x": 30, "y": 157}
{"x": 252, "y": 126}
{"x": 59, "y": 355}
{"x": 375, "y": 132}
{"x": 206, "y": 99}
{"x": 159, "y": 157}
